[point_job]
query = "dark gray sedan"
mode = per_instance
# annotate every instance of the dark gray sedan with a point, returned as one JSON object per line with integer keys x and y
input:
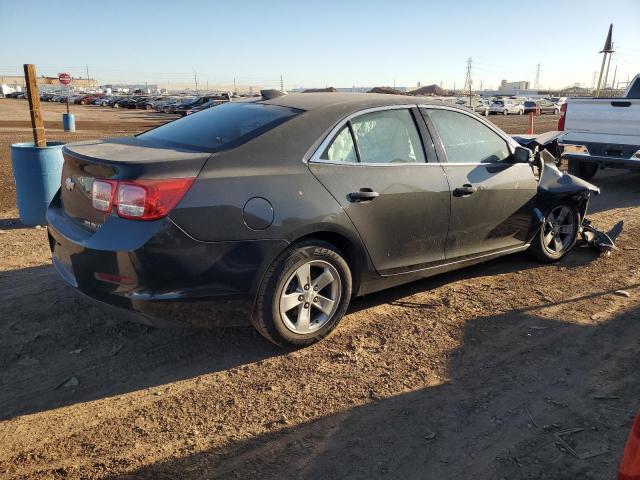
{"x": 280, "y": 210}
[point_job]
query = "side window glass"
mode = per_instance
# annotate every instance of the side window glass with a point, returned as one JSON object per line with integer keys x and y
{"x": 466, "y": 140}
{"x": 388, "y": 136}
{"x": 342, "y": 149}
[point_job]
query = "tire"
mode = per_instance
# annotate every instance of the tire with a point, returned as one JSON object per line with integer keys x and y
{"x": 548, "y": 246}
{"x": 148, "y": 107}
{"x": 486, "y": 112}
{"x": 583, "y": 170}
{"x": 520, "y": 112}
{"x": 281, "y": 284}
{"x": 506, "y": 112}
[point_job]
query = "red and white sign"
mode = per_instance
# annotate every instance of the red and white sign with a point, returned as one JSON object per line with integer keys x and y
{"x": 64, "y": 78}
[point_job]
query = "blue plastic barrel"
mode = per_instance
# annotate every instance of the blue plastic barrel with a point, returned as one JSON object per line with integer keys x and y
{"x": 37, "y": 172}
{"x": 69, "y": 122}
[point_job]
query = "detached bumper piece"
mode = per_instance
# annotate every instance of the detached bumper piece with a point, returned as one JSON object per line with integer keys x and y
{"x": 603, "y": 242}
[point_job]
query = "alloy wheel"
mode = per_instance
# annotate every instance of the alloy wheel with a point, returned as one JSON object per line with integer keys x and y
{"x": 558, "y": 230}
{"x": 310, "y": 297}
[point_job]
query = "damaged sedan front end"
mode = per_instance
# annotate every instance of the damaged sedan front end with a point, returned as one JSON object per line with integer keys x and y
{"x": 557, "y": 186}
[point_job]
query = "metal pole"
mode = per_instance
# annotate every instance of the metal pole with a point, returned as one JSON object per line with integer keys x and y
{"x": 606, "y": 75}
{"x": 604, "y": 59}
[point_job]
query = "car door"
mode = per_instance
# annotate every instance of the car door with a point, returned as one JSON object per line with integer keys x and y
{"x": 397, "y": 197}
{"x": 492, "y": 198}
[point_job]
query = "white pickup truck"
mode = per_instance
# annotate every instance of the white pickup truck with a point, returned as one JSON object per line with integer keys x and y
{"x": 601, "y": 132}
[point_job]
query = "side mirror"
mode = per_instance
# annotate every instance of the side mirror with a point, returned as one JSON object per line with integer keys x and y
{"x": 522, "y": 155}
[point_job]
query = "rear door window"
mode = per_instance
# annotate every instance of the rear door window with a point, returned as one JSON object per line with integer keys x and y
{"x": 342, "y": 148}
{"x": 388, "y": 136}
{"x": 222, "y": 127}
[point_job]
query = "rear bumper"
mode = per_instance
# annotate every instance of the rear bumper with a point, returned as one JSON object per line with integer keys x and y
{"x": 157, "y": 273}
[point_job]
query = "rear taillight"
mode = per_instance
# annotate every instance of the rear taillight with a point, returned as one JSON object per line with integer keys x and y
{"x": 563, "y": 114}
{"x": 139, "y": 199}
{"x": 102, "y": 194}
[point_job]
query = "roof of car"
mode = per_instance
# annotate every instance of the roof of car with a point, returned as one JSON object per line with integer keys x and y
{"x": 315, "y": 101}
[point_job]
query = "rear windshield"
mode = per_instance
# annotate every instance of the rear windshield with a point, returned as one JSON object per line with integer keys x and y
{"x": 529, "y": 104}
{"x": 222, "y": 127}
{"x": 498, "y": 102}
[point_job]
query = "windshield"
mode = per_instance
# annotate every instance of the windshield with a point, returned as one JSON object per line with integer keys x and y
{"x": 220, "y": 128}
{"x": 498, "y": 102}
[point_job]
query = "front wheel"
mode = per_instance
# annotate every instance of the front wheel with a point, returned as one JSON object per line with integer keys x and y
{"x": 583, "y": 170}
{"x": 303, "y": 295}
{"x": 558, "y": 234}
{"x": 506, "y": 112}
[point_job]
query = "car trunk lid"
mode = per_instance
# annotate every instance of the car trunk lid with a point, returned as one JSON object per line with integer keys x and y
{"x": 128, "y": 158}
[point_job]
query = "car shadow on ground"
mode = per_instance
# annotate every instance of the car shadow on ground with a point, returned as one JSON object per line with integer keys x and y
{"x": 509, "y": 426}
{"x": 57, "y": 349}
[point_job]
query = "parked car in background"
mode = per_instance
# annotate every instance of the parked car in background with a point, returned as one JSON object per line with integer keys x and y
{"x": 149, "y": 103}
{"x": 602, "y": 132}
{"x": 481, "y": 107}
{"x": 180, "y": 103}
{"x": 507, "y": 106}
{"x": 90, "y": 99}
{"x": 158, "y": 105}
{"x": 543, "y": 106}
{"x": 558, "y": 100}
{"x": 203, "y": 106}
{"x": 194, "y": 220}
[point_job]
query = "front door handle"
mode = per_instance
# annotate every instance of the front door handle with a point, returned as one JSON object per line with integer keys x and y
{"x": 465, "y": 190}
{"x": 363, "y": 195}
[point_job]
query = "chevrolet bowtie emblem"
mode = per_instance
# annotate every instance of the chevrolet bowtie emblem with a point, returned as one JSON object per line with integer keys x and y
{"x": 69, "y": 184}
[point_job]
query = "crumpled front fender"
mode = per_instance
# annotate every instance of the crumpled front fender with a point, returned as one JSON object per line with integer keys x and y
{"x": 555, "y": 182}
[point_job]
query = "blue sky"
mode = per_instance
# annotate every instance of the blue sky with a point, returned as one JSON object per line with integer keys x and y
{"x": 321, "y": 43}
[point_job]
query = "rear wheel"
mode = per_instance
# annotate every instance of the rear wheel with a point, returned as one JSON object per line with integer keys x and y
{"x": 558, "y": 234}
{"x": 304, "y": 294}
{"x": 506, "y": 112}
{"x": 583, "y": 170}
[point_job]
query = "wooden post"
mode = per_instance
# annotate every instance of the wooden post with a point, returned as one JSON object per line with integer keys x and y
{"x": 34, "y": 105}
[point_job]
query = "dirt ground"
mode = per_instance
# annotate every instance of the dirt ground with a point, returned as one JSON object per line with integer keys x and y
{"x": 481, "y": 373}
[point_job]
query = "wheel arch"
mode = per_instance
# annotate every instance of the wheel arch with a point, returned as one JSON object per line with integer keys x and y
{"x": 352, "y": 249}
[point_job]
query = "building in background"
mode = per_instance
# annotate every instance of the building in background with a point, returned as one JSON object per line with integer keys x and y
{"x": 521, "y": 85}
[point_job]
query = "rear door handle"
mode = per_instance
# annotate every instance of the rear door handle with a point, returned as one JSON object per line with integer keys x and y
{"x": 464, "y": 190}
{"x": 363, "y": 195}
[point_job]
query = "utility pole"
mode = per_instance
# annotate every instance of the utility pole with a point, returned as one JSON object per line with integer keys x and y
{"x": 468, "y": 81}
{"x": 195, "y": 79}
{"x": 281, "y": 84}
{"x": 607, "y": 50}
{"x": 87, "y": 75}
{"x": 606, "y": 75}
{"x": 536, "y": 84}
